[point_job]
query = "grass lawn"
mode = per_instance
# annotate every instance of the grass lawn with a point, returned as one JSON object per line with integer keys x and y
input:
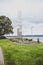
{"x": 22, "y": 54}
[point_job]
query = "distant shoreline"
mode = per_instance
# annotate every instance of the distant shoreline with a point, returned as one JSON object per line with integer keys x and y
{"x": 27, "y": 36}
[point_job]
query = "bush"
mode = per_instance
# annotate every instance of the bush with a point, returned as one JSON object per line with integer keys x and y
{"x": 2, "y": 37}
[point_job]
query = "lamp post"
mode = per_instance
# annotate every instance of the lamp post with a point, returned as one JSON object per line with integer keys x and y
{"x": 19, "y": 29}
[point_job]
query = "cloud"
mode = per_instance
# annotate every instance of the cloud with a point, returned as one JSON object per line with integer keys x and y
{"x": 32, "y": 13}
{"x": 3, "y": 1}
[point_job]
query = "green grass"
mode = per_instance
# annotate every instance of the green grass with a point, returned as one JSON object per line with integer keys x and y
{"x": 22, "y": 54}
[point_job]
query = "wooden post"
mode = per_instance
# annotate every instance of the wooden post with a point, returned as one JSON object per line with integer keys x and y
{"x": 38, "y": 40}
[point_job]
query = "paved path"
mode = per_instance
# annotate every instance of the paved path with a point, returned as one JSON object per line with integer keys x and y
{"x": 1, "y": 57}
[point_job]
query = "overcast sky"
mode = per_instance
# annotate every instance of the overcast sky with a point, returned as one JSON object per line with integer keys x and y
{"x": 32, "y": 14}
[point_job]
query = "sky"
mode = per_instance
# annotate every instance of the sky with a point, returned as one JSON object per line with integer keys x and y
{"x": 32, "y": 14}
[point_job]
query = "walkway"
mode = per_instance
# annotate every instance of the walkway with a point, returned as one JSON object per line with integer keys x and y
{"x": 1, "y": 57}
